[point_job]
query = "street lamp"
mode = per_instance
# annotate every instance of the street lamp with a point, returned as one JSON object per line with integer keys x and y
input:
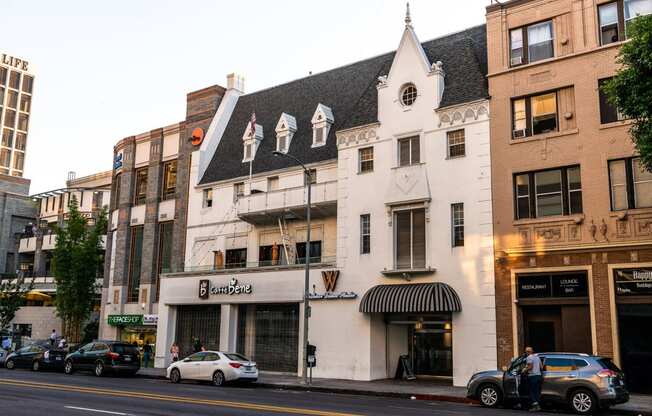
{"x": 306, "y": 283}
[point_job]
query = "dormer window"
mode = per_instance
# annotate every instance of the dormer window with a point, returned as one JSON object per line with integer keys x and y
{"x": 285, "y": 129}
{"x": 322, "y": 121}
{"x": 408, "y": 94}
{"x": 251, "y": 140}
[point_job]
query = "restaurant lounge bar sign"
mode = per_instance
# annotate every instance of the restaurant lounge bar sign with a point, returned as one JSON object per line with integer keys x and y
{"x": 552, "y": 285}
{"x": 233, "y": 288}
{"x": 633, "y": 282}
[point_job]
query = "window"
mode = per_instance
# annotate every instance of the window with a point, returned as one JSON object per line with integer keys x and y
{"x": 531, "y": 43}
{"x": 366, "y": 160}
{"x": 10, "y": 118}
{"x": 457, "y": 218}
{"x": 365, "y": 234}
{"x": 547, "y": 193}
{"x": 272, "y": 183}
{"x": 271, "y": 255}
{"x": 19, "y": 160}
{"x": 281, "y": 143}
{"x": 5, "y": 157}
{"x": 12, "y": 99}
{"x": 319, "y": 135}
{"x": 23, "y": 121}
{"x": 534, "y": 115}
{"x": 28, "y": 84}
{"x": 7, "y": 137}
{"x": 247, "y": 151}
{"x": 312, "y": 177}
{"x": 169, "y": 179}
{"x": 165, "y": 233}
{"x": 410, "y": 239}
{"x": 608, "y": 112}
{"x": 140, "y": 193}
{"x": 116, "y": 195}
{"x": 2, "y": 97}
{"x": 135, "y": 260}
{"x": 408, "y": 151}
{"x": 630, "y": 184}
{"x": 3, "y": 75}
{"x": 315, "y": 252}
{"x": 236, "y": 258}
{"x": 615, "y": 17}
{"x": 207, "y": 200}
{"x": 238, "y": 190}
{"x": 408, "y": 95}
{"x": 21, "y": 140}
{"x": 456, "y": 147}
{"x": 14, "y": 80}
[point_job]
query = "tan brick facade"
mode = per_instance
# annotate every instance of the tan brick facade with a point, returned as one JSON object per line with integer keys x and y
{"x": 597, "y": 238}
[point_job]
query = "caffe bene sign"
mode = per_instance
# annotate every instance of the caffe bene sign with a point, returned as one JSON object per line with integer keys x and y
{"x": 233, "y": 288}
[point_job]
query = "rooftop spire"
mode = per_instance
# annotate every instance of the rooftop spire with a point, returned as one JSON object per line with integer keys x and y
{"x": 408, "y": 19}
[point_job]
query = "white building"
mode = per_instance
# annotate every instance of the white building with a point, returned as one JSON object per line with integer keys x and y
{"x": 402, "y": 257}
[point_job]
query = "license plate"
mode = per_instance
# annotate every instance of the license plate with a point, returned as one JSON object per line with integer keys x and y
{"x": 127, "y": 358}
{"x": 57, "y": 358}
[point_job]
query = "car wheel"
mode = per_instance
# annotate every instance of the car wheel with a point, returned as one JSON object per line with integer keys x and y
{"x": 68, "y": 367}
{"x": 582, "y": 402}
{"x": 218, "y": 378}
{"x": 175, "y": 376}
{"x": 36, "y": 366}
{"x": 489, "y": 395}
{"x": 99, "y": 369}
{"x": 10, "y": 364}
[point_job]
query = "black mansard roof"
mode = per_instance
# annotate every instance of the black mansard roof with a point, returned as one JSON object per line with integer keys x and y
{"x": 350, "y": 91}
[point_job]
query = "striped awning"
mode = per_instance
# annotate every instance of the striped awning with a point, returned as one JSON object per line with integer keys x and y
{"x": 411, "y": 298}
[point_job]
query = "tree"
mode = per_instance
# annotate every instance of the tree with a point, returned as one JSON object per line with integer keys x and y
{"x": 76, "y": 260}
{"x": 12, "y": 298}
{"x": 631, "y": 89}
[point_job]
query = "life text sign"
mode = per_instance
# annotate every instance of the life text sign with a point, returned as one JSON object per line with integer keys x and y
{"x": 14, "y": 62}
{"x": 633, "y": 282}
{"x": 232, "y": 288}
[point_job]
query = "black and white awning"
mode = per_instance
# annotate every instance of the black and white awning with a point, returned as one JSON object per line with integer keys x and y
{"x": 411, "y": 298}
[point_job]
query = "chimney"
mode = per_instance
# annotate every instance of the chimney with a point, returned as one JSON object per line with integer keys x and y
{"x": 235, "y": 81}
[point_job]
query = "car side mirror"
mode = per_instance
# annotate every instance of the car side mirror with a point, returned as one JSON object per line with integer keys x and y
{"x": 504, "y": 368}
{"x": 81, "y": 351}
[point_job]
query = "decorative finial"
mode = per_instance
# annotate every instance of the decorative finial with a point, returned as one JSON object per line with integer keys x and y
{"x": 408, "y": 19}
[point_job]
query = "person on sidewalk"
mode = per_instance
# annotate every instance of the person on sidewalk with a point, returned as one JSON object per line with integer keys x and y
{"x": 196, "y": 346}
{"x": 147, "y": 351}
{"x": 534, "y": 378}
{"x": 174, "y": 352}
{"x": 53, "y": 337}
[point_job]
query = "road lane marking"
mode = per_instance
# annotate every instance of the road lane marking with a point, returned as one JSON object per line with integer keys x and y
{"x": 176, "y": 399}
{"x": 86, "y": 409}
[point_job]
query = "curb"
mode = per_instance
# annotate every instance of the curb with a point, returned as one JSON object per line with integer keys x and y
{"x": 429, "y": 397}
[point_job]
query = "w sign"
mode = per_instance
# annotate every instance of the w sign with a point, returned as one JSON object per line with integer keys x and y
{"x": 330, "y": 279}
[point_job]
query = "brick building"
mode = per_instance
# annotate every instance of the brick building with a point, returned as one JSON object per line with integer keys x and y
{"x": 147, "y": 218}
{"x": 571, "y": 205}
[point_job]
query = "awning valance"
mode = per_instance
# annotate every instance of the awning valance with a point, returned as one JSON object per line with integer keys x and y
{"x": 411, "y": 298}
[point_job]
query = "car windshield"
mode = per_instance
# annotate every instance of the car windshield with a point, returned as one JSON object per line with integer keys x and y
{"x": 124, "y": 349}
{"x": 236, "y": 357}
{"x": 607, "y": 363}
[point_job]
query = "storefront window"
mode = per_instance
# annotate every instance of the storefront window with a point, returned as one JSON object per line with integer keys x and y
{"x": 198, "y": 326}
{"x": 315, "y": 252}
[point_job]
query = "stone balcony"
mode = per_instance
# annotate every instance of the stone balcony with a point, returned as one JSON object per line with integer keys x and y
{"x": 264, "y": 208}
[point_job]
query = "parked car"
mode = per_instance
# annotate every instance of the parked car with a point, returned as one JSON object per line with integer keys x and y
{"x": 583, "y": 382}
{"x": 3, "y": 355}
{"x": 104, "y": 356}
{"x": 218, "y": 367}
{"x": 37, "y": 357}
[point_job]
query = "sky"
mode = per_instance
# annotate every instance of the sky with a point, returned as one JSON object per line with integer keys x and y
{"x": 106, "y": 70}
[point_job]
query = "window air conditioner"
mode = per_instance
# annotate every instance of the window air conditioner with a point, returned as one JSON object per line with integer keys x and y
{"x": 517, "y": 60}
{"x": 518, "y": 134}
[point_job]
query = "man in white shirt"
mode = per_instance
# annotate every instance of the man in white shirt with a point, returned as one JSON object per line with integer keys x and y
{"x": 53, "y": 337}
{"x": 534, "y": 378}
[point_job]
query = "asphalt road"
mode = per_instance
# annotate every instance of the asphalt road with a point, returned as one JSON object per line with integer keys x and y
{"x": 25, "y": 393}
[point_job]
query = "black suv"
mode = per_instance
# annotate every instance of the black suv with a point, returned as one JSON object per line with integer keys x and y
{"x": 104, "y": 356}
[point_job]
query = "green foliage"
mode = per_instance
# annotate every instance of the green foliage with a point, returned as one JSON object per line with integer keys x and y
{"x": 12, "y": 297}
{"x": 76, "y": 259}
{"x": 631, "y": 89}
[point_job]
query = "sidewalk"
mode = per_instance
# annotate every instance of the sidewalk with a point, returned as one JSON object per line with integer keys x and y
{"x": 422, "y": 390}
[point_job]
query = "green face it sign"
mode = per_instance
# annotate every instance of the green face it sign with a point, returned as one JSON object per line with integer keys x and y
{"x": 125, "y": 320}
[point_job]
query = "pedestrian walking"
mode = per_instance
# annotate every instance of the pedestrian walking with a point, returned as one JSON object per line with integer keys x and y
{"x": 196, "y": 346}
{"x": 534, "y": 378}
{"x": 147, "y": 351}
{"x": 53, "y": 337}
{"x": 174, "y": 352}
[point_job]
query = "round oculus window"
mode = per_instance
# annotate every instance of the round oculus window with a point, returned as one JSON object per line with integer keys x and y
{"x": 408, "y": 94}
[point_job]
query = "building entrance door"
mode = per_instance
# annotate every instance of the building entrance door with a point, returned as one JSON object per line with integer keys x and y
{"x": 431, "y": 349}
{"x": 564, "y": 328}
{"x": 636, "y": 346}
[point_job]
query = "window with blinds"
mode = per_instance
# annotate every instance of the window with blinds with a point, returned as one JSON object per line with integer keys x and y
{"x": 410, "y": 239}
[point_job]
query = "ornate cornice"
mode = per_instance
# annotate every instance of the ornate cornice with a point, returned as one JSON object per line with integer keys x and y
{"x": 358, "y": 135}
{"x": 463, "y": 113}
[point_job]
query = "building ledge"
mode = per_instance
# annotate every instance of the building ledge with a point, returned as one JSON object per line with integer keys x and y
{"x": 408, "y": 274}
{"x": 326, "y": 262}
